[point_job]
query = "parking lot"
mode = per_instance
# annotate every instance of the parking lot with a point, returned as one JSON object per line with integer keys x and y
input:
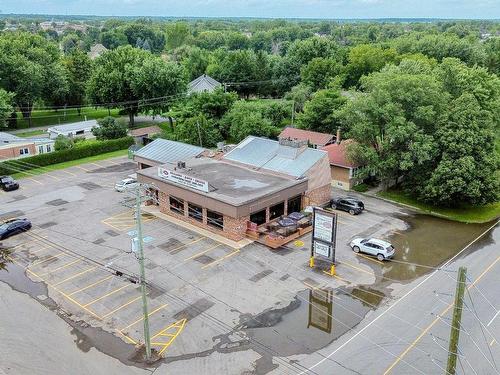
{"x": 199, "y": 289}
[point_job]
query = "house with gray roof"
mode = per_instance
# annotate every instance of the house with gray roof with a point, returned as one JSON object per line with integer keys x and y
{"x": 203, "y": 83}
{"x": 14, "y": 147}
{"x": 81, "y": 129}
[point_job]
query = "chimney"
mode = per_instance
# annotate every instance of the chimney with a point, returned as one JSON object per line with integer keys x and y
{"x": 337, "y": 140}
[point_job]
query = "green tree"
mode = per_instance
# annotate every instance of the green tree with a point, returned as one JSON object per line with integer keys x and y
{"x": 467, "y": 170}
{"x": 210, "y": 40}
{"x": 197, "y": 130}
{"x": 299, "y": 94}
{"x": 109, "y": 128}
{"x": 70, "y": 42}
{"x": 194, "y": 60}
{"x": 321, "y": 112}
{"x": 78, "y": 67}
{"x": 319, "y": 72}
{"x": 365, "y": 59}
{"x": 177, "y": 34}
{"x": 147, "y": 33}
{"x": 63, "y": 143}
{"x": 113, "y": 39}
{"x": 134, "y": 79}
{"x": 6, "y": 107}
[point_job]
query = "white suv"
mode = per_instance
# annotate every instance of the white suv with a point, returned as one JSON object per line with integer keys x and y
{"x": 381, "y": 249}
{"x": 125, "y": 184}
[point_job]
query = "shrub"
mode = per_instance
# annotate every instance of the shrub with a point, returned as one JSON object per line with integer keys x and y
{"x": 81, "y": 150}
{"x": 63, "y": 143}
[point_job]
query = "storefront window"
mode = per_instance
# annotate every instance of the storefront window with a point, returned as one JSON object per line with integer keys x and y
{"x": 177, "y": 205}
{"x": 196, "y": 212}
{"x": 295, "y": 204}
{"x": 215, "y": 219}
{"x": 258, "y": 217}
{"x": 277, "y": 210}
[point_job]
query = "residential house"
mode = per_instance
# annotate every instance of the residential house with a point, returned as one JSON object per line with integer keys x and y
{"x": 13, "y": 147}
{"x": 96, "y": 51}
{"x": 203, "y": 83}
{"x": 82, "y": 129}
{"x": 143, "y": 136}
{"x": 314, "y": 139}
{"x": 344, "y": 172}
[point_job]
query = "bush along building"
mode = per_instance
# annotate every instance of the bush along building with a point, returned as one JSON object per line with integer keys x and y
{"x": 257, "y": 181}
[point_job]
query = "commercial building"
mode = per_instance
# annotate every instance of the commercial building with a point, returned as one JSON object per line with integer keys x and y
{"x": 81, "y": 129}
{"x": 256, "y": 182}
{"x": 13, "y": 147}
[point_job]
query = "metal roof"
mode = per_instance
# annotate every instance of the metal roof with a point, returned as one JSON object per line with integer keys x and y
{"x": 271, "y": 155}
{"x": 74, "y": 126}
{"x": 7, "y": 138}
{"x": 166, "y": 151}
{"x": 203, "y": 83}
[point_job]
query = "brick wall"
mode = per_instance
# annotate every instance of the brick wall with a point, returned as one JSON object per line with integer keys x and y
{"x": 13, "y": 151}
{"x": 318, "y": 196}
{"x": 235, "y": 228}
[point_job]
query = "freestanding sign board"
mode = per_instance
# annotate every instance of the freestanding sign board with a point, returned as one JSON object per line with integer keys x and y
{"x": 324, "y": 235}
{"x": 182, "y": 179}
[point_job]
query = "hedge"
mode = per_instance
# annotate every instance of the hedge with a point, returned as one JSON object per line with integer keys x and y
{"x": 81, "y": 150}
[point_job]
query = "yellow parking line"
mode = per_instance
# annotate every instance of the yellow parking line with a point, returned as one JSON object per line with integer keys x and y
{"x": 221, "y": 259}
{"x": 187, "y": 244}
{"x": 38, "y": 182}
{"x": 142, "y": 317}
{"x": 127, "y": 337}
{"x": 492, "y": 342}
{"x": 203, "y": 252}
{"x": 74, "y": 276}
{"x": 121, "y": 307}
{"x": 25, "y": 243}
{"x": 91, "y": 285}
{"x": 82, "y": 168}
{"x": 40, "y": 249}
{"x": 70, "y": 173}
{"x": 61, "y": 267}
{"x": 107, "y": 294}
{"x": 100, "y": 166}
{"x": 355, "y": 267}
{"x": 46, "y": 260}
{"x": 367, "y": 257}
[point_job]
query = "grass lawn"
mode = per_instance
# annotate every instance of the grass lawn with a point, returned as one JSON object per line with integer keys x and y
{"x": 71, "y": 163}
{"x": 481, "y": 214}
{"x": 49, "y": 118}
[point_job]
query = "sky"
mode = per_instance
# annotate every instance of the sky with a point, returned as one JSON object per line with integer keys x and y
{"x": 262, "y": 8}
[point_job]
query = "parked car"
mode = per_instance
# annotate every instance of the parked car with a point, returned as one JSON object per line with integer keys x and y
{"x": 7, "y": 183}
{"x": 349, "y": 204}
{"x": 125, "y": 184}
{"x": 14, "y": 226}
{"x": 381, "y": 249}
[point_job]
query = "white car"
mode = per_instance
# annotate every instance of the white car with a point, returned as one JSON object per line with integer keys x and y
{"x": 125, "y": 184}
{"x": 381, "y": 249}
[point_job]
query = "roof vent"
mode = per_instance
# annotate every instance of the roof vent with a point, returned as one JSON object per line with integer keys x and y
{"x": 181, "y": 164}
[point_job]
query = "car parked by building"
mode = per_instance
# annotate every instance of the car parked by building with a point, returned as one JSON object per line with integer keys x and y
{"x": 7, "y": 183}
{"x": 349, "y": 204}
{"x": 14, "y": 226}
{"x": 381, "y": 249}
{"x": 125, "y": 184}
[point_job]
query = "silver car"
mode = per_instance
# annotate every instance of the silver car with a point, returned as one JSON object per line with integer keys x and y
{"x": 125, "y": 184}
{"x": 381, "y": 249}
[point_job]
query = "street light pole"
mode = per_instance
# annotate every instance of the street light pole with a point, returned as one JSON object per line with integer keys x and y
{"x": 140, "y": 253}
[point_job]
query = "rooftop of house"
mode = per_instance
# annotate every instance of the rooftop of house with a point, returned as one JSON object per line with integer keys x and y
{"x": 74, "y": 126}
{"x": 229, "y": 183}
{"x": 337, "y": 154}
{"x": 203, "y": 83}
{"x": 286, "y": 157}
{"x": 150, "y": 130}
{"x": 165, "y": 151}
{"x": 314, "y": 138}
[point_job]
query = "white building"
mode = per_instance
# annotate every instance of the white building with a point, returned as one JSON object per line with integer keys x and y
{"x": 81, "y": 129}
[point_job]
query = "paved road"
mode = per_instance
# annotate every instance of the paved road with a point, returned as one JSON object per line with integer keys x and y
{"x": 410, "y": 336}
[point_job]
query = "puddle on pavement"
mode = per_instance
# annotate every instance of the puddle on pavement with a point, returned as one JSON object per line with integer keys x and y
{"x": 314, "y": 319}
{"x": 428, "y": 241}
{"x": 86, "y": 336}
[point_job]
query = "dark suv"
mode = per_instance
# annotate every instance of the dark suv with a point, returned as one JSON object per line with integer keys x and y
{"x": 7, "y": 183}
{"x": 349, "y": 204}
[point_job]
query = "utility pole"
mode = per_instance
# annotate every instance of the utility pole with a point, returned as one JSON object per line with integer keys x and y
{"x": 140, "y": 253}
{"x": 293, "y": 111}
{"x": 456, "y": 320}
{"x": 199, "y": 132}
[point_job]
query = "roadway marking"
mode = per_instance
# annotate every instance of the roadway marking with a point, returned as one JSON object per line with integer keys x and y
{"x": 175, "y": 329}
{"x": 492, "y": 342}
{"x": 91, "y": 285}
{"x": 492, "y": 319}
{"x": 122, "y": 306}
{"x": 357, "y": 268}
{"x": 107, "y": 294}
{"x": 189, "y": 243}
{"x": 369, "y": 258}
{"x": 82, "y": 168}
{"x": 436, "y": 320}
{"x": 46, "y": 260}
{"x": 74, "y": 276}
{"x": 203, "y": 252}
{"x": 142, "y": 317}
{"x": 326, "y": 357}
{"x": 61, "y": 267}
{"x": 236, "y": 251}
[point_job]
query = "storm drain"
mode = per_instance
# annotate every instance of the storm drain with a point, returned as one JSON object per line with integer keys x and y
{"x": 16, "y": 198}
{"x": 195, "y": 309}
{"x": 98, "y": 241}
{"x": 112, "y": 233}
{"x": 57, "y": 202}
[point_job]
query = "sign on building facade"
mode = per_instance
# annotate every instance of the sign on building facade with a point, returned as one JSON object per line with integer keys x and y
{"x": 182, "y": 179}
